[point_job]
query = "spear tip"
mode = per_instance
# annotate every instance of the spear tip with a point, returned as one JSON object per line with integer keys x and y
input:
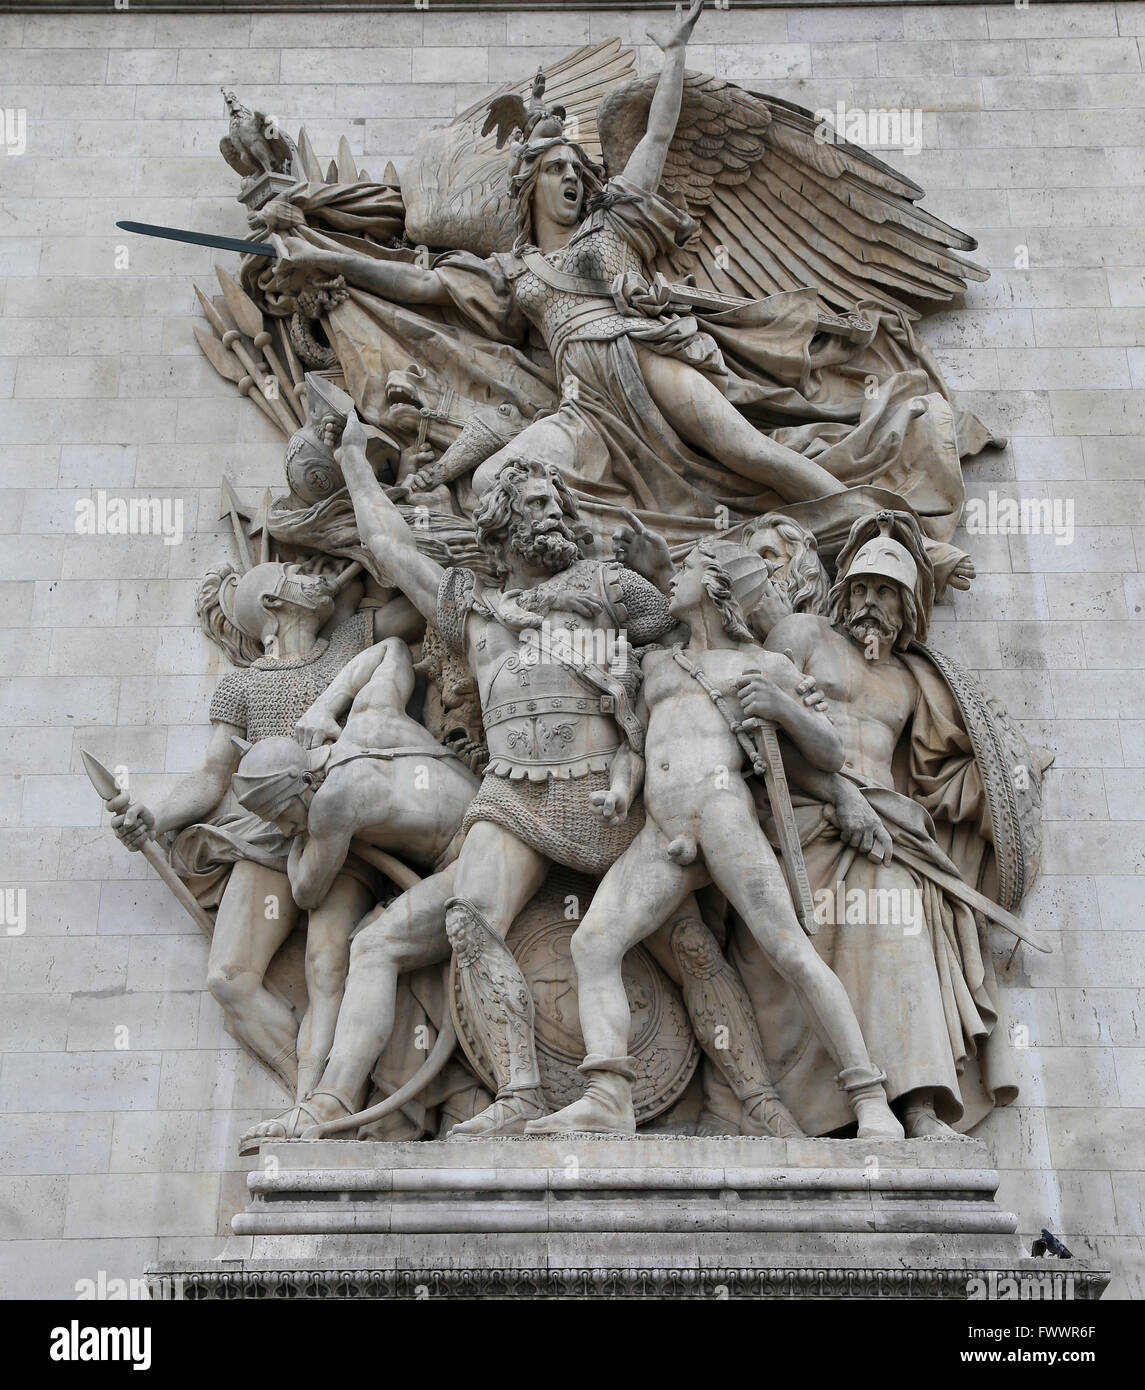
{"x": 100, "y": 778}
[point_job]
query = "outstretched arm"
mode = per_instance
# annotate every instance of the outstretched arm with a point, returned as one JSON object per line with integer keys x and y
{"x": 398, "y": 280}
{"x": 645, "y": 166}
{"x": 382, "y": 527}
{"x": 192, "y": 799}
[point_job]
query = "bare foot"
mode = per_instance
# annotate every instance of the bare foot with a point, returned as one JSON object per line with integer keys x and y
{"x": 876, "y": 1119}
{"x": 595, "y": 1113}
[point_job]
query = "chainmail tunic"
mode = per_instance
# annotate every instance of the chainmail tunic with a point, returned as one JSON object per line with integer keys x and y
{"x": 267, "y": 698}
{"x": 557, "y": 818}
{"x": 639, "y": 608}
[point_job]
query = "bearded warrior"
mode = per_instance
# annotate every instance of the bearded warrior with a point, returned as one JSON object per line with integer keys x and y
{"x": 703, "y": 827}
{"x": 556, "y": 724}
{"x": 910, "y": 819}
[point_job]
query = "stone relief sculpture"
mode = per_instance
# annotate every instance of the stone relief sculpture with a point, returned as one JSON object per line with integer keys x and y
{"x": 582, "y": 682}
{"x": 702, "y": 827}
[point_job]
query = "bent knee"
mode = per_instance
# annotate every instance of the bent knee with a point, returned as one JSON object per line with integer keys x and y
{"x": 594, "y": 947}
{"x": 795, "y": 958}
{"x": 231, "y": 986}
{"x": 373, "y": 946}
{"x": 326, "y": 972}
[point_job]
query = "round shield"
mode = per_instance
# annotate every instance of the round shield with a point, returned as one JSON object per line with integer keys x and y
{"x": 1012, "y": 772}
{"x": 661, "y": 1039}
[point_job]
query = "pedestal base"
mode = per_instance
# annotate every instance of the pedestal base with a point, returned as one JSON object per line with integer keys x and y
{"x": 658, "y": 1217}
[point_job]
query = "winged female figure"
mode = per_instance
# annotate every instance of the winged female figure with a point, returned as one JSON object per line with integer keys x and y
{"x": 675, "y": 403}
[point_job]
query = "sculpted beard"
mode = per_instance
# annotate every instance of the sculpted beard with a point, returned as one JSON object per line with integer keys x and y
{"x": 871, "y": 618}
{"x": 549, "y": 544}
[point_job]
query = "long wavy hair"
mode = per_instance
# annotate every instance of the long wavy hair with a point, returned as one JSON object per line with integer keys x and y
{"x": 214, "y": 608}
{"x": 718, "y": 587}
{"x": 525, "y": 170}
{"x": 806, "y": 579}
{"x": 500, "y": 519}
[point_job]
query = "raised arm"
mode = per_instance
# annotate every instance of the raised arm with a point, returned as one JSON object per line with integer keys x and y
{"x": 382, "y": 527}
{"x": 396, "y": 280}
{"x": 645, "y": 166}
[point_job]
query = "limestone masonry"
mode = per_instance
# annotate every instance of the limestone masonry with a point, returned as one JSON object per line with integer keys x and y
{"x": 972, "y": 479}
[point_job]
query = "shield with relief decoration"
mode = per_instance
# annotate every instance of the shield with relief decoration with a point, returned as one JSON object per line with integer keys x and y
{"x": 661, "y": 1039}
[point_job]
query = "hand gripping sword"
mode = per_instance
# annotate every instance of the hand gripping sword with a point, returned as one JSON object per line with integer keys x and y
{"x": 105, "y": 784}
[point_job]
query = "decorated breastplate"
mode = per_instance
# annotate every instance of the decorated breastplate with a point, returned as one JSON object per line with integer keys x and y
{"x": 541, "y": 719}
{"x": 542, "y": 722}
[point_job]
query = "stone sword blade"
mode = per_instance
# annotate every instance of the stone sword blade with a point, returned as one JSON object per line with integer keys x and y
{"x": 783, "y": 817}
{"x": 222, "y": 243}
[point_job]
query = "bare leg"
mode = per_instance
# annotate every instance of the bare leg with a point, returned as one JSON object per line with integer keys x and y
{"x": 703, "y": 416}
{"x": 496, "y": 875}
{"x": 404, "y": 936}
{"x": 255, "y": 917}
{"x": 409, "y": 933}
{"x": 327, "y": 961}
{"x": 640, "y": 890}
{"x": 743, "y": 864}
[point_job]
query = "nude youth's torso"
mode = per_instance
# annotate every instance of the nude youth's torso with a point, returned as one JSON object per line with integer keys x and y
{"x": 692, "y": 758}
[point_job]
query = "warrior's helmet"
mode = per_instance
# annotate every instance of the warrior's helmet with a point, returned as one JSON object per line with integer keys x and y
{"x": 905, "y": 562}
{"x": 271, "y": 774}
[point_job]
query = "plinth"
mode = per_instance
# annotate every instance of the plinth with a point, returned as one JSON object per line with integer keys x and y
{"x": 658, "y": 1217}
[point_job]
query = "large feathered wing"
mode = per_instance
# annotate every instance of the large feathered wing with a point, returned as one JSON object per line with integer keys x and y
{"x": 456, "y": 183}
{"x": 780, "y": 209}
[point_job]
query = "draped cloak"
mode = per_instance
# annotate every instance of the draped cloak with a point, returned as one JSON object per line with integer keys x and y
{"x": 870, "y": 412}
{"x": 924, "y": 988}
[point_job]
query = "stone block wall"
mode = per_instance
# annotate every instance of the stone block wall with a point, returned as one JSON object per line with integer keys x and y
{"x": 121, "y": 1094}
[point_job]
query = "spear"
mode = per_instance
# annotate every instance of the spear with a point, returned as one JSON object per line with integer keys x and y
{"x": 297, "y": 375}
{"x": 228, "y": 366}
{"x": 260, "y": 529}
{"x": 106, "y": 786}
{"x": 248, "y": 316}
{"x": 232, "y": 340}
{"x": 231, "y": 508}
